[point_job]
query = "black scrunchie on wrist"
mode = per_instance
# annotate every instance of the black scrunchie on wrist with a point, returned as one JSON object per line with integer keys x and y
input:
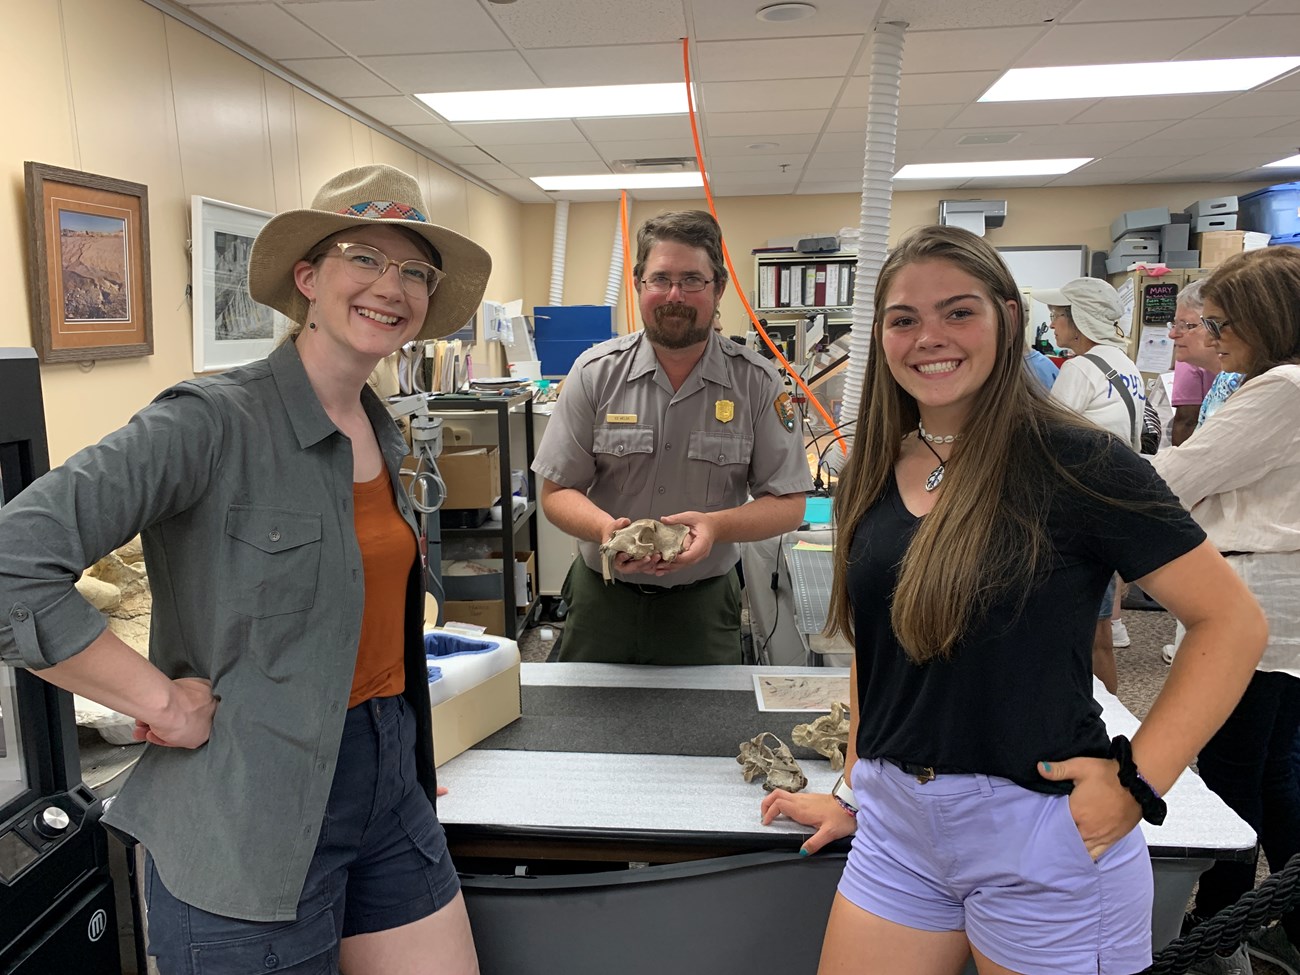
{"x": 1154, "y": 809}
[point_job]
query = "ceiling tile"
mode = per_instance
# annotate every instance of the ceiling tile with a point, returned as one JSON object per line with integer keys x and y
{"x": 751, "y": 163}
{"x": 581, "y": 23}
{"x": 716, "y": 20}
{"x": 1118, "y": 43}
{"x": 490, "y": 170}
{"x": 796, "y": 57}
{"x": 560, "y": 169}
{"x": 929, "y": 15}
{"x": 644, "y": 148}
{"x": 1250, "y": 37}
{"x": 1002, "y": 115}
{"x": 1170, "y": 149}
{"x": 785, "y": 144}
{"x": 1151, "y": 108}
{"x": 565, "y": 152}
{"x": 1236, "y": 128}
{"x": 836, "y": 160}
{"x": 625, "y": 64}
{"x": 435, "y": 135}
{"x": 341, "y": 77}
{"x": 926, "y": 116}
{"x": 1121, "y": 11}
{"x": 757, "y": 96}
{"x": 519, "y": 133}
{"x": 462, "y": 155}
{"x": 989, "y": 49}
{"x": 402, "y": 26}
{"x": 522, "y": 189}
{"x": 765, "y": 124}
{"x": 269, "y": 29}
{"x": 941, "y": 87}
{"x": 422, "y": 73}
{"x": 395, "y": 110}
{"x": 808, "y": 187}
{"x": 640, "y": 127}
{"x": 1265, "y": 101}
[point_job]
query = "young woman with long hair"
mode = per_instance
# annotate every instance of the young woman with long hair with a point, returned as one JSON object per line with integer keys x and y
{"x": 978, "y": 523}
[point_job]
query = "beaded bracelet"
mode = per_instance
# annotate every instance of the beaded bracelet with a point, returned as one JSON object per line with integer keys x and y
{"x": 1154, "y": 809}
{"x": 846, "y": 807}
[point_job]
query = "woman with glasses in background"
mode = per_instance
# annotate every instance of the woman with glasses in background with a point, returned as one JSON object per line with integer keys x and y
{"x": 1196, "y": 363}
{"x": 1240, "y": 478}
{"x": 286, "y": 796}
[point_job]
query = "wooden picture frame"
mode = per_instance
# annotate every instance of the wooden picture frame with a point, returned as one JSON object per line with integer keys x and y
{"x": 89, "y": 267}
{"x": 230, "y": 328}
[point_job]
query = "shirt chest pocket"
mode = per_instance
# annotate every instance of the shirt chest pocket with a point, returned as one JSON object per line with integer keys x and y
{"x": 720, "y": 466}
{"x": 274, "y": 560}
{"x": 624, "y": 453}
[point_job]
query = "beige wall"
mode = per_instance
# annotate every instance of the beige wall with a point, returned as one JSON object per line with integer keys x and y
{"x": 1067, "y": 215}
{"x": 116, "y": 88}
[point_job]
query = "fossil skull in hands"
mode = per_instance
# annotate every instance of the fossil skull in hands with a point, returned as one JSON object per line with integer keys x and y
{"x": 643, "y": 537}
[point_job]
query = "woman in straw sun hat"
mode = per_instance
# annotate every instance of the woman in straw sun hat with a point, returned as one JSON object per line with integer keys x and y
{"x": 286, "y": 793}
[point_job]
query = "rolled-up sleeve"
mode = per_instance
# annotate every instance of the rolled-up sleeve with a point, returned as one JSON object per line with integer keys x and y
{"x": 65, "y": 521}
{"x": 565, "y": 454}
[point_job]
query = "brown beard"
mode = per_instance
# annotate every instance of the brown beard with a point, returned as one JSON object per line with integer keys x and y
{"x": 676, "y": 326}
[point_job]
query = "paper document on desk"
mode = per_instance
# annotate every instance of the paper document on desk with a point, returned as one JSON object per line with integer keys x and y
{"x": 799, "y": 692}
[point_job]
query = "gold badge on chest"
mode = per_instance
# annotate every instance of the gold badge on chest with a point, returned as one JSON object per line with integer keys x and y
{"x": 724, "y": 410}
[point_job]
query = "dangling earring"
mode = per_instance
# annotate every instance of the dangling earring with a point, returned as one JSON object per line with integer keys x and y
{"x": 311, "y": 306}
{"x": 312, "y": 326}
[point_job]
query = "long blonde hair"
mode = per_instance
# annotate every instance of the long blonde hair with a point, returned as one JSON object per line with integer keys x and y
{"x": 985, "y": 536}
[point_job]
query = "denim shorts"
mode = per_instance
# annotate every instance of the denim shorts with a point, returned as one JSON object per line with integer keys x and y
{"x": 1108, "y": 600}
{"x": 1006, "y": 865}
{"x": 381, "y": 862}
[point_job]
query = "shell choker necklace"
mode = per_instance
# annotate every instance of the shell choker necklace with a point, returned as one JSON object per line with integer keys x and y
{"x": 929, "y": 439}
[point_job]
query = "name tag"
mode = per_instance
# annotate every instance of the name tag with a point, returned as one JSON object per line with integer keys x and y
{"x": 620, "y": 417}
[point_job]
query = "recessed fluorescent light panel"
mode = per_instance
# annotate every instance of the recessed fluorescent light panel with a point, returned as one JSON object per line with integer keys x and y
{"x": 620, "y": 181}
{"x": 594, "y": 101}
{"x": 976, "y": 170}
{"x": 1290, "y": 162}
{"x": 1120, "y": 80}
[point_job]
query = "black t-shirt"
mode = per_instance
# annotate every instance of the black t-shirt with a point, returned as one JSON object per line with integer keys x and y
{"x": 1018, "y": 687}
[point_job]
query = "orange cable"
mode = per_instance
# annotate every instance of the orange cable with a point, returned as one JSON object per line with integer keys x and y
{"x": 726, "y": 256}
{"x": 629, "y": 306}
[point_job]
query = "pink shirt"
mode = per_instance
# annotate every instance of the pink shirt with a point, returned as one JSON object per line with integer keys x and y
{"x": 1191, "y": 383}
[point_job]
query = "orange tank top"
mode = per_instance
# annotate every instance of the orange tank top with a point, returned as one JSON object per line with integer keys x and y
{"x": 387, "y": 551}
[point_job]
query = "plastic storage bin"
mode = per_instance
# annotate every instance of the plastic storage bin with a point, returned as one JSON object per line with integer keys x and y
{"x": 1274, "y": 210}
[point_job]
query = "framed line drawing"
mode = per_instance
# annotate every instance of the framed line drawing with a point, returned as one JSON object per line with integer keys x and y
{"x": 230, "y": 328}
{"x": 89, "y": 270}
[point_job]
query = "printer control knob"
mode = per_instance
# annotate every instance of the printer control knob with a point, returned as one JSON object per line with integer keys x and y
{"x": 51, "y": 822}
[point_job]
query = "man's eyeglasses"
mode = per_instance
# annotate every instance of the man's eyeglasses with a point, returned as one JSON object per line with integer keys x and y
{"x": 691, "y": 283}
{"x": 1177, "y": 326}
{"x": 366, "y": 264}
{"x": 1215, "y": 326}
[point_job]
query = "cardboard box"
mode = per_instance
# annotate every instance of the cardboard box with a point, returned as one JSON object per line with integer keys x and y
{"x": 476, "y": 712}
{"x": 1218, "y": 246}
{"x": 1222, "y": 221}
{"x": 472, "y": 474}
{"x": 487, "y": 613}
{"x": 481, "y": 579}
{"x": 1152, "y": 218}
{"x": 1212, "y": 206}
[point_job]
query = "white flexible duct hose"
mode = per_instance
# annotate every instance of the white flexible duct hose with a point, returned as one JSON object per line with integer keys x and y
{"x": 557, "y": 251}
{"x": 614, "y": 283}
{"x": 886, "y": 66}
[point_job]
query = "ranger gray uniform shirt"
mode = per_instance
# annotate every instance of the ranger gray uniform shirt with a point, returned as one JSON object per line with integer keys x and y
{"x": 241, "y": 486}
{"x": 638, "y": 449}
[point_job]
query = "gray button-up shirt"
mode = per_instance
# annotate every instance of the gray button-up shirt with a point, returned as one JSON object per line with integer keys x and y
{"x": 241, "y": 487}
{"x": 639, "y": 449}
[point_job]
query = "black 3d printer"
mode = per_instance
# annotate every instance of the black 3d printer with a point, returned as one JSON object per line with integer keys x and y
{"x": 56, "y": 897}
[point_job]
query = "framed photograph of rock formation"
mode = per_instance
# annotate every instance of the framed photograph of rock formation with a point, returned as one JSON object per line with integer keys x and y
{"x": 89, "y": 265}
{"x": 230, "y": 328}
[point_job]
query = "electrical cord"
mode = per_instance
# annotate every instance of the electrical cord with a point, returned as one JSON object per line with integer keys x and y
{"x": 765, "y": 658}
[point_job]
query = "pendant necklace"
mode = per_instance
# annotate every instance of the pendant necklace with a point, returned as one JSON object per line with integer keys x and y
{"x": 936, "y": 475}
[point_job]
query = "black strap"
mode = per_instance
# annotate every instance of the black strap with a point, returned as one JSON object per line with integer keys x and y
{"x": 1135, "y": 437}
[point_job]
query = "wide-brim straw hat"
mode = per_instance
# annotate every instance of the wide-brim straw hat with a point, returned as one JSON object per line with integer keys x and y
{"x": 365, "y": 197}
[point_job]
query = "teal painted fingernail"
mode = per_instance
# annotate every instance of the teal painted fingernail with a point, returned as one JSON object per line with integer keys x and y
{"x": 803, "y": 852}
{"x": 1047, "y": 766}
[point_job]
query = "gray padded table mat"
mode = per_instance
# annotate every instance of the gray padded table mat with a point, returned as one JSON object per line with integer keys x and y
{"x": 643, "y": 721}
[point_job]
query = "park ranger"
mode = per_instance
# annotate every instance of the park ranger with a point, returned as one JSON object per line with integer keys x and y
{"x": 673, "y": 422}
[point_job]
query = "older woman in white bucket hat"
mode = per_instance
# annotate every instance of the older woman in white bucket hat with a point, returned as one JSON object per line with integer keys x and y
{"x": 286, "y": 793}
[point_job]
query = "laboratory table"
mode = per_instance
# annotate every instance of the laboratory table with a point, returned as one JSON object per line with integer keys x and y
{"x": 589, "y": 862}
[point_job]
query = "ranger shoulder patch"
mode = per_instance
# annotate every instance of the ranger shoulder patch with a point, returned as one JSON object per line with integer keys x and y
{"x": 784, "y": 411}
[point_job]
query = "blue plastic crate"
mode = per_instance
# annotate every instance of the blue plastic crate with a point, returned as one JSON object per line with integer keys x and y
{"x": 1291, "y": 239}
{"x": 1274, "y": 210}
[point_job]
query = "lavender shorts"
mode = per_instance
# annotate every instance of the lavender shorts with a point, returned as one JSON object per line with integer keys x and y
{"x": 1006, "y": 865}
